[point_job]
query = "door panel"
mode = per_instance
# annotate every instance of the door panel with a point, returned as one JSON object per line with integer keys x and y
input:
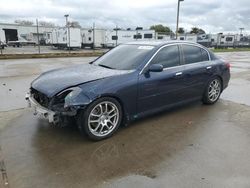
{"x": 196, "y": 76}
{"x": 198, "y": 70}
{"x": 160, "y": 89}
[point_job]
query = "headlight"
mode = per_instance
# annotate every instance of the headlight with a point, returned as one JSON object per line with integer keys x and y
{"x": 67, "y": 95}
{"x": 74, "y": 92}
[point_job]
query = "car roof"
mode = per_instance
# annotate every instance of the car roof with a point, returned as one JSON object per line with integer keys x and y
{"x": 159, "y": 43}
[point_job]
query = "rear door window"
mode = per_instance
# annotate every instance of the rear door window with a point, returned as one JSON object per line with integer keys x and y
{"x": 194, "y": 54}
{"x": 204, "y": 55}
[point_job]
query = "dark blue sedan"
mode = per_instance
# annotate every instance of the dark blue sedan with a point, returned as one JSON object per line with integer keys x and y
{"x": 129, "y": 82}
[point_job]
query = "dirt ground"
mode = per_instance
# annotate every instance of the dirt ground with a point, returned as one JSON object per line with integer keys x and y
{"x": 190, "y": 146}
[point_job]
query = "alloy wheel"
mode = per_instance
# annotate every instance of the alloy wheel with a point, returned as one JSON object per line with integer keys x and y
{"x": 214, "y": 90}
{"x": 103, "y": 118}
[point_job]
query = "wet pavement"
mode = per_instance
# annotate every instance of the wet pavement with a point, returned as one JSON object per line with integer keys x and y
{"x": 190, "y": 146}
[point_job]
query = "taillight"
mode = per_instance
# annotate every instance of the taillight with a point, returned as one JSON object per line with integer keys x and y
{"x": 228, "y": 65}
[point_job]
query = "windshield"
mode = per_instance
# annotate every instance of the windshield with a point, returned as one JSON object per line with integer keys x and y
{"x": 124, "y": 57}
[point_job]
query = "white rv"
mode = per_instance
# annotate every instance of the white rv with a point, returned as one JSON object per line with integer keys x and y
{"x": 2, "y": 39}
{"x": 93, "y": 38}
{"x": 60, "y": 38}
{"x": 205, "y": 39}
{"x": 227, "y": 40}
{"x": 187, "y": 37}
{"x": 48, "y": 37}
{"x": 114, "y": 38}
{"x": 163, "y": 36}
{"x": 221, "y": 40}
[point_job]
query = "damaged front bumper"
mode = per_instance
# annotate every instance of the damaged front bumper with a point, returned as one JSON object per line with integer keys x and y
{"x": 41, "y": 111}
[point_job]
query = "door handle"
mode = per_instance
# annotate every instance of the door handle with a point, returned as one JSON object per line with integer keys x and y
{"x": 209, "y": 67}
{"x": 178, "y": 74}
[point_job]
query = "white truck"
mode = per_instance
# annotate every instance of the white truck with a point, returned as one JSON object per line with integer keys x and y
{"x": 62, "y": 39}
{"x": 2, "y": 39}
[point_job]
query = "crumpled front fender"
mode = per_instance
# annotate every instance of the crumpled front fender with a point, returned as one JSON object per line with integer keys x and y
{"x": 79, "y": 101}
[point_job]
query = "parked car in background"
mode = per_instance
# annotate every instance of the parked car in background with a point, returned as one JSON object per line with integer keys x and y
{"x": 129, "y": 82}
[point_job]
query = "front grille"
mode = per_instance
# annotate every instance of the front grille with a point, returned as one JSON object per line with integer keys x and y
{"x": 41, "y": 98}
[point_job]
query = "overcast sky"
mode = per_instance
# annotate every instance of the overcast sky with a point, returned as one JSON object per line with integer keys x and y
{"x": 211, "y": 15}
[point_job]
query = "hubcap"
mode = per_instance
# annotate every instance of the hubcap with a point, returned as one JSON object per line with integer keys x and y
{"x": 103, "y": 118}
{"x": 214, "y": 90}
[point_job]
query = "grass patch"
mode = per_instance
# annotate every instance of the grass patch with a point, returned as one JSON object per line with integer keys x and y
{"x": 231, "y": 50}
{"x": 50, "y": 55}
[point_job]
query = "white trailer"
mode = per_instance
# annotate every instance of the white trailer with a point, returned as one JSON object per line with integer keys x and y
{"x": 163, "y": 36}
{"x": 188, "y": 37}
{"x": 221, "y": 40}
{"x": 93, "y": 38}
{"x": 2, "y": 39}
{"x": 226, "y": 40}
{"x": 205, "y": 39}
{"x": 61, "y": 38}
{"x": 114, "y": 38}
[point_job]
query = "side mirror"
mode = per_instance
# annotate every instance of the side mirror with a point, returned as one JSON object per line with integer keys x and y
{"x": 156, "y": 68}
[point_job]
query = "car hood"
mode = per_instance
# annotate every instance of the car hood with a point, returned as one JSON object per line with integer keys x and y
{"x": 54, "y": 81}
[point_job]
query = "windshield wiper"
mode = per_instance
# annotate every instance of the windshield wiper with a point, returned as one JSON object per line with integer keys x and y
{"x": 105, "y": 66}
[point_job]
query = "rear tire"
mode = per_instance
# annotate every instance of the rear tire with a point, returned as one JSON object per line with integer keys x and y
{"x": 100, "y": 119}
{"x": 212, "y": 91}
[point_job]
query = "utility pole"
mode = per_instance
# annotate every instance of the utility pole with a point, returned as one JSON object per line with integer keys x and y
{"x": 116, "y": 34}
{"x": 68, "y": 26}
{"x": 241, "y": 29}
{"x": 38, "y": 41}
{"x": 93, "y": 35}
{"x": 177, "y": 21}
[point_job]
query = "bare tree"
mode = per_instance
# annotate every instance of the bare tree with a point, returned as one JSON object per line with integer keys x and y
{"x": 46, "y": 24}
{"x": 24, "y": 22}
{"x": 74, "y": 24}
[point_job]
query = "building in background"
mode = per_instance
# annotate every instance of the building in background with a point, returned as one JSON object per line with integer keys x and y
{"x": 15, "y": 32}
{"x": 17, "y": 35}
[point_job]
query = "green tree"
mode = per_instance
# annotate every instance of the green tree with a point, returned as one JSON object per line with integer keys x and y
{"x": 196, "y": 30}
{"x": 161, "y": 29}
{"x": 181, "y": 30}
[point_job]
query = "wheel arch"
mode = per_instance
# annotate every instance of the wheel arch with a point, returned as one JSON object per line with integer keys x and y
{"x": 214, "y": 76}
{"x": 221, "y": 80}
{"x": 204, "y": 96}
{"x": 125, "y": 117}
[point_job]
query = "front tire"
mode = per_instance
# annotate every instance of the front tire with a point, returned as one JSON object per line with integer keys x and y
{"x": 213, "y": 91}
{"x": 101, "y": 118}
